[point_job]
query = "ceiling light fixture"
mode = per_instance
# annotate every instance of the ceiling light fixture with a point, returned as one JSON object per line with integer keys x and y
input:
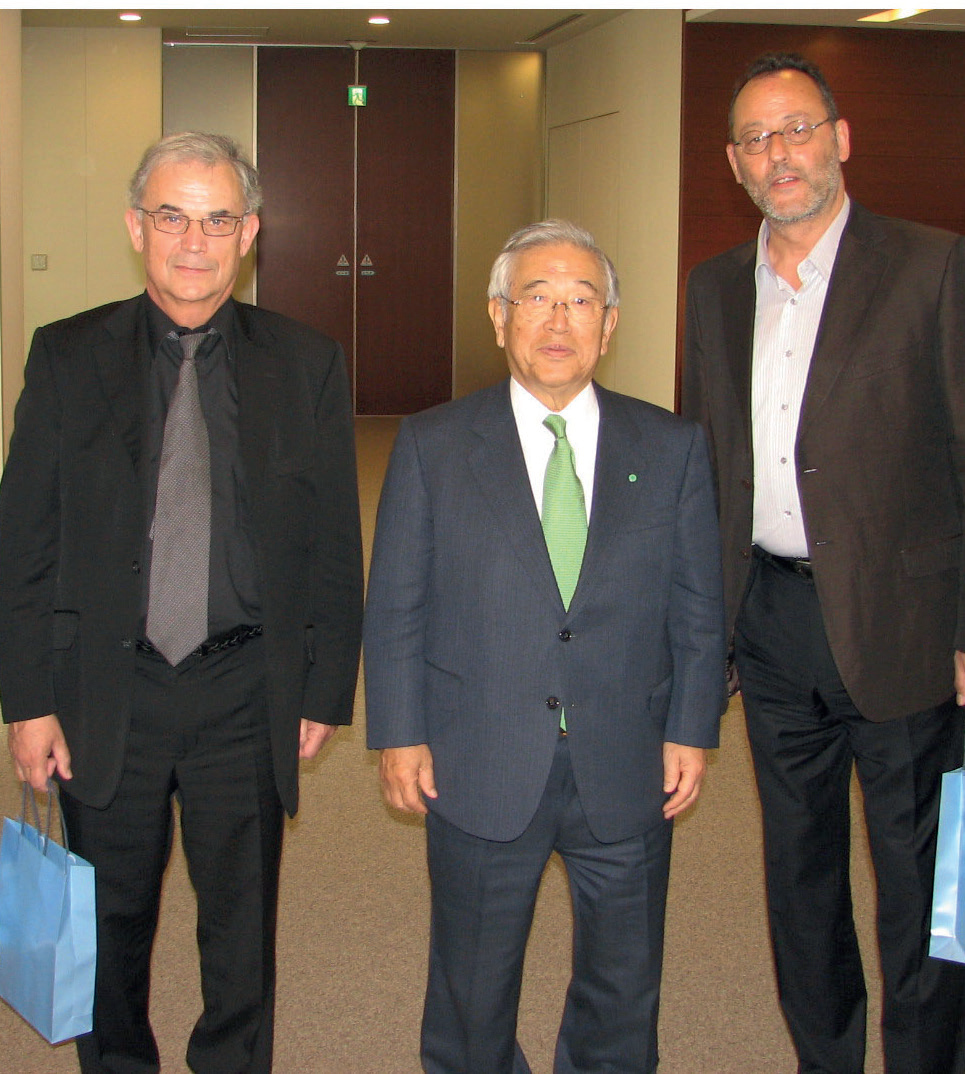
{"x": 894, "y": 14}
{"x": 129, "y": 16}
{"x": 379, "y": 20}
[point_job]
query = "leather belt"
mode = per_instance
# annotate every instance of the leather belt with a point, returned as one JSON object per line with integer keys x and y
{"x": 801, "y": 567}
{"x": 226, "y": 640}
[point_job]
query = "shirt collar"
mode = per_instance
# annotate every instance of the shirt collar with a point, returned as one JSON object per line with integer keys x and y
{"x": 822, "y": 255}
{"x": 160, "y": 324}
{"x": 529, "y": 410}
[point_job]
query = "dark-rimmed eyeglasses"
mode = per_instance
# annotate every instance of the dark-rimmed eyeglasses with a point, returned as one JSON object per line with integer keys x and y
{"x": 220, "y": 226}
{"x": 796, "y": 133}
{"x": 537, "y": 307}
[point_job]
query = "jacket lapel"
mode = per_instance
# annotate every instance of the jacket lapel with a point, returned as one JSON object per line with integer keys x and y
{"x": 118, "y": 355}
{"x": 258, "y": 378}
{"x": 739, "y": 301}
{"x": 857, "y": 273}
{"x": 624, "y": 461}
{"x": 497, "y": 464}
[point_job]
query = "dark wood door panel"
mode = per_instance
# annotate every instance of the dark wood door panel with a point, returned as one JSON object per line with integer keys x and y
{"x": 406, "y": 145}
{"x": 305, "y": 157}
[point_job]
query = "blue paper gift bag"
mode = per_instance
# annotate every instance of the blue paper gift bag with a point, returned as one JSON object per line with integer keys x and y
{"x": 48, "y": 932}
{"x": 948, "y": 904}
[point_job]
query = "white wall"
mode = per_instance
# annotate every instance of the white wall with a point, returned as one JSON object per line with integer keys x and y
{"x": 91, "y": 106}
{"x": 11, "y": 221}
{"x": 613, "y": 117}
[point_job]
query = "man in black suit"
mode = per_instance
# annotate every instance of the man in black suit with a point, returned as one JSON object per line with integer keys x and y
{"x": 826, "y": 361}
{"x": 537, "y": 690}
{"x": 131, "y": 677}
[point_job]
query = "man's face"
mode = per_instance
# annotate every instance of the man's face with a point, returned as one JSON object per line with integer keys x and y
{"x": 553, "y": 357}
{"x": 189, "y": 276}
{"x": 789, "y": 183}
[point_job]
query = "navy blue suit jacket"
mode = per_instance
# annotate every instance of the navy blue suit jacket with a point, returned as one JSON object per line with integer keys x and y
{"x": 466, "y": 637}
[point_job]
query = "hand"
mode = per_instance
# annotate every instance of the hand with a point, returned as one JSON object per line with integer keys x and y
{"x": 311, "y": 737}
{"x": 960, "y": 678}
{"x": 406, "y": 775}
{"x": 683, "y": 773}
{"x": 39, "y": 749}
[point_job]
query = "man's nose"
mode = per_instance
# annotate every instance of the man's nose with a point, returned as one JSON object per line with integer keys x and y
{"x": 559, "y": 316}
{"x": 777, "y": 146}
{"x": 194, "y": 238}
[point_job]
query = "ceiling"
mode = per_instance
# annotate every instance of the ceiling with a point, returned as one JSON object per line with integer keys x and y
{"x": 497, "y": 29}
{"x": 502, "y": 30}
{"x": 933, "y": 19}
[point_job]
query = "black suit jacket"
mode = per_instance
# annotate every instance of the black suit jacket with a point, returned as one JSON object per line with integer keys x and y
{"x": 880, "y": 453}
{"x": 469, "y": 648}
{"x": 72, "y": 521}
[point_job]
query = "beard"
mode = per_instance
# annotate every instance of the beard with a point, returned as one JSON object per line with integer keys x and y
{"x": 824, "y": 182}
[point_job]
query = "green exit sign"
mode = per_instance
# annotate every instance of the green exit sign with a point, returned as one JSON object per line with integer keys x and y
{"x": 357, "y": 96}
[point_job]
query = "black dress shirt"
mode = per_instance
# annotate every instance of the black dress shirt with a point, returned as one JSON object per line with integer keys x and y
{"x": 233, "y": 580}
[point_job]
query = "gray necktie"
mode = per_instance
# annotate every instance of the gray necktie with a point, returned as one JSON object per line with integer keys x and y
{"x": 177, "y": 616}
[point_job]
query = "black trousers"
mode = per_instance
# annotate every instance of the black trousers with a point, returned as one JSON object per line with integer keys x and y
{"x": 199, "y": 732}
{"x": 483, "y": 898}
{"x": 806, "y": 736}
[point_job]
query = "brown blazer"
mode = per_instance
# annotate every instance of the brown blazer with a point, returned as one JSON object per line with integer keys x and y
{"x": 879, "y": 456}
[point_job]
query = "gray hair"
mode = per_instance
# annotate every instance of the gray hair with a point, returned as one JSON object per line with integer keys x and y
{"x": 193, "y": 146}
{"x": 550, "y": 233}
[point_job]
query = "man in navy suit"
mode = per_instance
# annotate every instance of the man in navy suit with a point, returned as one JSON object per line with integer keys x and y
{"x": 91, "y": 692}
{"x": 524, "y": 712}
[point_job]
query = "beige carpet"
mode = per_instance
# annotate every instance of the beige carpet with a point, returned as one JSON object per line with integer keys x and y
{"x": 354, "y": 911}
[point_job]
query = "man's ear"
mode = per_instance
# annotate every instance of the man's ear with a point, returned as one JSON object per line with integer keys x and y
{"x": 135, "y": 228}
{"x": 497, "y": 314}
{"x": 249, "y": 229}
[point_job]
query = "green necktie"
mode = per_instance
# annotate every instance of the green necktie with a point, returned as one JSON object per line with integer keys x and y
{"x": 564, "y": 516}
{"x": 564, "y": 511}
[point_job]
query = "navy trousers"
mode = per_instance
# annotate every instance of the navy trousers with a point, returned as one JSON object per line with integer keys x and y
{"x": 483, "y": 898}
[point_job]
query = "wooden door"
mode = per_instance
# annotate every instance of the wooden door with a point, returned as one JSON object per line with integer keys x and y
{"x": 357, "y": 227}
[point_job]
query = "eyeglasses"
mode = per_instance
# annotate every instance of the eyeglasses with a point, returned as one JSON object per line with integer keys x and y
{"x": 537, "y": 307}
{"x": 177, "y": 223}
{"x": 796, "y": 133}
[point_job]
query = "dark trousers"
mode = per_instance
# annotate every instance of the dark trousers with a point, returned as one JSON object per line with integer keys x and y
{"x": 483, "y": 897}
{"x": 806, "y": 736}
{"x": 199, "y": 732}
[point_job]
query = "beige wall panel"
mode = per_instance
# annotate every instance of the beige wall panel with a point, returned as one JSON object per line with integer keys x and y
{"x": 631, "y": 66}
{"x": 55, "y": 173}
{"x": 123, "y": 118}
{"x": 11, "y": 220}
{"x": 579, "y": 188}
{"x": 499, "y": 155}
{"x": 99, "y": 90}
{"x": 212, "y": 88}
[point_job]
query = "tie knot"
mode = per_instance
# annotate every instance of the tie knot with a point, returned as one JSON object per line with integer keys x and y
{"x": 190, "y": 341}
{"x": 556, "y": 424}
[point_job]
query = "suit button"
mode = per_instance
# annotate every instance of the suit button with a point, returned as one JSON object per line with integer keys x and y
{"x": 552, "y": 702}
{"x": 127, "y": 643}
{"x": 136, "y": 567}
{"x": 565, "y": 635}
{"x": 745, "y": 553}
{"x": 746, "y": 483}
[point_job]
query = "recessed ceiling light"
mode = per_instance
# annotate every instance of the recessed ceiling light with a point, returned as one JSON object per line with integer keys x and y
{"x": 894, "y": 14}
{"x": 380, "y": 20}
{"x": 129, "y": 16}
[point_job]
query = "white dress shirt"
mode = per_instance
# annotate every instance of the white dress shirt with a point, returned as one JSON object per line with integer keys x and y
{"x": 582, "y": 416}
{"x": 785, "y": 326}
